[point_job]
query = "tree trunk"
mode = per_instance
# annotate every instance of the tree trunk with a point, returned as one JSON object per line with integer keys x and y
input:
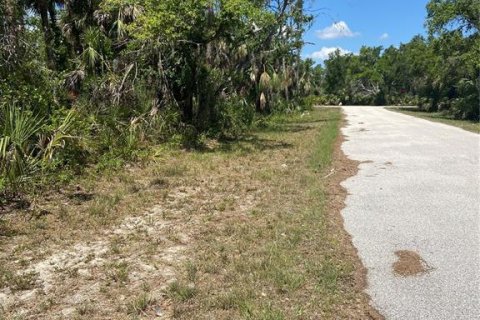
{"x": 284, "y": 66}
{"x": 10, "y": 32}
{"x": 53, "y": 23}
{"x": 188, "y": 109}
{"x": 42, "y": 7}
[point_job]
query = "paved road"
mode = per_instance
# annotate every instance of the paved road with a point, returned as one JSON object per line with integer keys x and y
{"x": 420, "y": 192}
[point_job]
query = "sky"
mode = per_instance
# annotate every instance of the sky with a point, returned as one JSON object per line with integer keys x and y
{"x": 350, "y": 24}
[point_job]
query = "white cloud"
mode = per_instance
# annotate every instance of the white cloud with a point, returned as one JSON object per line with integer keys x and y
{"x": 384, "y": 36}
{"x": 325, "y": 52}
{"x": 336, "y": 30}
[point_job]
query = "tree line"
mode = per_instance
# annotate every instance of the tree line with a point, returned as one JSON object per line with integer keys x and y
{"x": 97, "y": 81}
{"x": 440, "y": 72}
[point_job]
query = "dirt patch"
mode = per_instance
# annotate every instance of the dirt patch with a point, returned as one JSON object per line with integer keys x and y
{"x": 122, "y": 268}
{"x": 346, "y": 168}
{"x": 410, "y": 264}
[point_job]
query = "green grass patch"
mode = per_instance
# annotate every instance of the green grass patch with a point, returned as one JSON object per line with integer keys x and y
{"x": 473, "y": 126}
{"x": 280, "y": 260}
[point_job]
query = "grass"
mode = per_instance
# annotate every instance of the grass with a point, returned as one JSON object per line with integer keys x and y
{"x": 281, "y": 259}
{"x": 118, "y": 272}
{"x": 473, "y": 126}
{"x": 239, "y": 229}
{"x": 138, "y": 305}
{"x": 17, "y": 282}
{"x": 181, "y": 292}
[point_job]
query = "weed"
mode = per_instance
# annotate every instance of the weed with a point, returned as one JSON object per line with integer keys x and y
{"x": 158, "y": 183}
{"x": 269, "y": 312}
{"x": 104, "y": 204}
{"x": 5, "y": 276}
{"x": 19, "y": 282}
{"x": 119, "y": 272}
{"x": 86, "y": 308}
{"x": 234, "y": 299}
{"x": 191, "y": 271}
{"x": 98, "y": 209}
{"x": 134, "y": 188}
{"x": 225, "y": 204}
{"x": 140, "y": 304}
{"x": 181, "y": 292}
{"x": 172, "y": 170}
{"x": 46, "y": 304}
{"x": 116, "y": 245}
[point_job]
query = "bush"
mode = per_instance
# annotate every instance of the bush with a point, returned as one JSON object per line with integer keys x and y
{"x": 18, "y": 145}
{"x": 324, "y": 100}
{"x": 467, "y": 105}
{"x": 234, "y": 116}
{"x": 27, "y": 144}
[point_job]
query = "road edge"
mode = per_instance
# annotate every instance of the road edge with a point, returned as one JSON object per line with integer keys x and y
{"x": 344, "y": 168}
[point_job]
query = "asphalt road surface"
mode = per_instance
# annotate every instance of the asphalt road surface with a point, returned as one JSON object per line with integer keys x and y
{"x": 418, "y": 189}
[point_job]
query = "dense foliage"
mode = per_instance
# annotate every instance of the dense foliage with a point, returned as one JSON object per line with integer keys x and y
{"x": 96, "y": 81}
{"x": 440, "y": 73}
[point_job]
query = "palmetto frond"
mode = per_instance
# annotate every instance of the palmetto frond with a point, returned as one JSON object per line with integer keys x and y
{"x": 59, "y": 136}
{"x": 90, "y": 57}
{"x": 17, "y": 147}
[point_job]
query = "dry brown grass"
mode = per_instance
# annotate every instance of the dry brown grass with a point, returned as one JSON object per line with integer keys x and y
{"x": 281, "y": 257}
{"x": 238, "y": 230}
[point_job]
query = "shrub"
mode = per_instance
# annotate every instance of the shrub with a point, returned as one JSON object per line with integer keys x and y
{"x": 27, "y": 144}
{"x": 324, "y": 100}
{"x": 18, "y": 145}
{"x": 234, "y": 116}
{"x": 467, "y": 105}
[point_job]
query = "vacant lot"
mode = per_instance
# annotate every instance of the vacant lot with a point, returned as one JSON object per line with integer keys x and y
{"x": 245, "y": 229}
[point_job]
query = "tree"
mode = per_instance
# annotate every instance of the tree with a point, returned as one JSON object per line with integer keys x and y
{"x": 138, "y": 72}
{"x": 456, "y": 25}
{"x": 463, "y": 15}
{"x": 438, "y": 73}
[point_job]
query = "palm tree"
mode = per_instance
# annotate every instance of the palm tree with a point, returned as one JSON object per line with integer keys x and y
{"x": 10, "y": 30}
{"x": 41, "y": 7}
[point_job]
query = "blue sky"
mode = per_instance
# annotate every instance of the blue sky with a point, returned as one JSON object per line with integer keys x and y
{"x": 349, "y": 24}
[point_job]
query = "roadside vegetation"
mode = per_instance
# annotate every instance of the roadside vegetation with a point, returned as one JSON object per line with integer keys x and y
{"x": 282, "y": 258}
{"x": 240, "y": 229}
{"x": 439, "y": 73}
{"x": 442, "y": 117}
{"x": 162, "y": 158}
{"x": 97, "y": 83}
